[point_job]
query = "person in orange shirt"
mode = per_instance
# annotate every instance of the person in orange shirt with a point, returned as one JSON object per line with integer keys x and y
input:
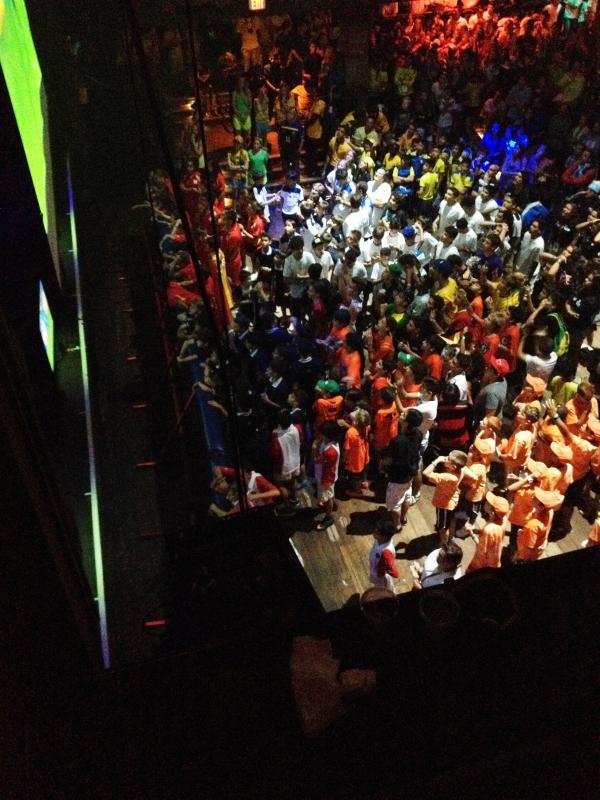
{"x": 328, "y": 405}
{"x": 478, "y": 464}
{"x": 385, "y": 421}
{"x": 488, "y": 552}
{"x": 531, "y": 394}
{"x": 446, "y": 474}
{"x": 548, "y": 432}
{"x": 560, "y": 473}
{"x": 408, "y": 379}
{"x": 488, "y": 432}
{"x": 580, "y": 407}
{"x": 532, "y": 538}
{"x": 352, "y": 360}
{"x": 356, "y": 451}
{"x": 380, "y": 379}
{"x": 381, "y": 345}
{"x": 339, "y": 330}
{"x": 432, "y": 359}
{"x": 515, "y": 451}
{"x": 523, "y": 497}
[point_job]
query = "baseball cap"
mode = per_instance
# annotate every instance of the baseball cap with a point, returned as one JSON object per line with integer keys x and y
{"x": 499, "y": 504}
{"x": 537, "y": 468}
{"x": 485, "y": 446}
{"x": 408, "y": 232}
{"x": 442, "y": 265}
{"x": 548, "y": 499}
{"x": 317, "y": 241}
{"x": 537, "y": 384}
{"x": 405, "y": 358}
{"x": 500, "y": 365}
{"x": 594, "y": 186}
{"x": 330, "y": 386}
{"x": 562, "y": 451}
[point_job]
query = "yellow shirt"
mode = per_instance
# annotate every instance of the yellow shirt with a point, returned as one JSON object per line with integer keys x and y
{"x": 338, "y": 150}
{"x": 390, "y": 162}
{"x": 428, "y": 183}
{"x": 314, "y": 130}
{"x": 448, "y": 292}
{"x": 461, "y": 182}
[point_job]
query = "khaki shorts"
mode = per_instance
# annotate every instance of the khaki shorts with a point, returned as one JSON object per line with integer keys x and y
{"x": 397, "y": 494}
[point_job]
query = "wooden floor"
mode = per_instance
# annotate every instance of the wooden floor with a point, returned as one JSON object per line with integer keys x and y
{"x": 336, "y": 560}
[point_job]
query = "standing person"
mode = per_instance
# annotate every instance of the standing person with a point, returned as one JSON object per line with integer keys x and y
{"x": 313, "y": 137}
{"x": 356, "y": 452}
{"x": 295, "y": 273}
{"x": 489, "y": 541}
{"x": 241, "y": 105}
{"x": 492, "y": 396}
{"x": 339, "y": 148}
{"x": 237, "y": 163}
{"x": 401, "y": 463}
{"x": 379, "y": 192}
{"x": 285, "y": 449}
{"x": 231, "y": 244}
{"x": 192, "y": 186}
{"x": 258, "y": 159}
{"x": 291, "y": 195}
{"x": 446, "y": 474}
{"x": 532, "y": 538}
{"x": 449, "y": 212}
{"x": 382, "y": 557}
{"x": 261, "y": 114}
{"x": 290, "y": 136}
{"x": 326, "y": 458}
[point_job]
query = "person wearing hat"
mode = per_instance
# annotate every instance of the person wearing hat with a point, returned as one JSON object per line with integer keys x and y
{"x": 580, "y": 408}
{"x": 446, "y": 473}
{"x": 382, "y": 557}
{"x": 532, "y": 538}
{"x": 492, "y": 396}
{"x": 522, "y": 489}
{"x": 559, "y": 475}
{"x": 328, "y": 404}
{"x": 488, "y": 550}
{"x": 593, "y": 537}
{"x": 478, "y": 461}
{"x": 356, "y": 451}
{"x": 515, "y": 451}
{"x": 531, "y": 393}
{"x": 326, "y": 459}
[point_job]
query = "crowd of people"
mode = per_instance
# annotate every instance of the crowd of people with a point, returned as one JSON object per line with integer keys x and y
{"x": 424, "y": 311}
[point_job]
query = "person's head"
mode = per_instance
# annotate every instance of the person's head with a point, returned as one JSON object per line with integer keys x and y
{"x": 284, "y": 419}
{"x": 584, "y": 394}
{"x": 449, "y": 235}
{"x": 229, "y": 219}
{"x": 384, "y": 531}
{"x": 451, "y": 196}
{"x": 361, "y": 418}
{"x": 329, "y": 431}
{"x": 450, "y": 395}
{"x": 528, "y": 416}
{"x": 297, "y": 245}
{"x": 544, "y": 346}
{"x": 341, "y": 318}
{"x": 290, "y": 115}
{"x": 429, "y": 388}
{"x": 449, "y": 557}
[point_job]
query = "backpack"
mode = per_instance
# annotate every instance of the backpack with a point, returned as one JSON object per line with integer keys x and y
{"x": 562, "y": 340}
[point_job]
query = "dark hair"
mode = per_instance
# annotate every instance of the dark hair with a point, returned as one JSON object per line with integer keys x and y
{"x": 296, "y": 242}
{"x": 431, "y": 385}
{"x": 284, "y": 418}
{"x": 451, "y": 231}
{"x": 545, "y": 345}
{"x": 413, "y": 418}
{"x": 450, "y": 394}
{"x": 449, "y": 557}
{"x": 419, "y": 370}
{"x": 329, "y": 429}
{"x": 386, "y": 528}
{"x": 387, "y": 394}
{"x": 342, "y": 315}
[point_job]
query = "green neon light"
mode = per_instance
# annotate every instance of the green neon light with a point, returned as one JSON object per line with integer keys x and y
{"x": 23, "y": 77}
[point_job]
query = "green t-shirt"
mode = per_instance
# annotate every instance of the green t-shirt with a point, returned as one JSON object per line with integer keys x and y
{"x": 258, "y": 161}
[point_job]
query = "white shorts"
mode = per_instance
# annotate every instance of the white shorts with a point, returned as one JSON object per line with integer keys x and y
{"x": 326, "y": 493}
{"x": 397, "y": 494}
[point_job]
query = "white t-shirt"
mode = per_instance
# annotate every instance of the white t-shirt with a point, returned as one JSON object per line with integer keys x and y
{"x": 326, "y": 262}
{"x": 377, "y": 194}
{"x": 466, "y": 243}
{"x": 295, "y": 268}
{"x": 429, "y": 410}
{"x": 475, "y": 221}
{"x": 529, "y": 254}
{"x": 432, "y": 575}
{"x": 395, "y": 240}
{"x": 356, "y": 221}
{"x": 461, "y": 381}
{"x": 539, "y": 368}
{"x": 448, "y": 214}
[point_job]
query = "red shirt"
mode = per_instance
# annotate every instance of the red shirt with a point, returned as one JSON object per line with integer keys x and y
{"x": 435, "y": 365}
{"x": 329, "y": 460}
{"x": 231, "y": 245}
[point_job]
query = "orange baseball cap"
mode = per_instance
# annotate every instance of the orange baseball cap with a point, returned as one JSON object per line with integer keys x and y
{"x": 537, "y": 384}
{"x": 548, "y": 499}
{"x": 562, "y": 451}
{"x": 537, "y": 468}
{"x": 485, "y": 446}
{"x": 499, "y": 504}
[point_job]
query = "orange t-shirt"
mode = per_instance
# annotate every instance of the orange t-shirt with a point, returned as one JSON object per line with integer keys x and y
{"x": 435, "y": 365}
{"x": 326, "y": 408}
{"x": 411, "y": 388}
{"x": 488, "y": 552}
{"x": 518, "y": 448}
{"x": 447, "y": 490}
{"x": 522, "y": 505}
{"x": 351, "y": 362}
{"x": 383, "y": 348}
{"x": 582, "y": 456}
{"x": 477, "y": 484}
{"x": 378, "y": 385}
{"x": 533, "y": 537}
{"x": 385, "y": 426}
{"x": 559, "y": 479}
{"x": 477, "y": 305}
{"x": 356, "y": 449}
{"x": 575, "y": 409}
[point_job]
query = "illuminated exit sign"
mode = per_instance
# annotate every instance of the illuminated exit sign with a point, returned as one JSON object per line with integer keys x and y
{"x": 257, "y": 5}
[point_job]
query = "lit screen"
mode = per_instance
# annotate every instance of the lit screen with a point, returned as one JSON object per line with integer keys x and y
{"x": 46, "y": 326}
{"x": 23, "y": 78}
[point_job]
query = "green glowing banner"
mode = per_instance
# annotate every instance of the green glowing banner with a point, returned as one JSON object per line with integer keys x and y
{"x": 23, "y": 78}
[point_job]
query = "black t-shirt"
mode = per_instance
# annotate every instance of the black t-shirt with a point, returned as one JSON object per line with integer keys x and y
{"x": 404, "y": 452}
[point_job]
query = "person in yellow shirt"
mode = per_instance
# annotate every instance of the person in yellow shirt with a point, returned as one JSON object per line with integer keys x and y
{"x": 339, "y": 147}
{"x": 392, "y": 159}
{"x": 428, "y": 184}
{"x": 460, "y": 177}
{"x": 447, "y": 286}
{"x": 314, "y": 133}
